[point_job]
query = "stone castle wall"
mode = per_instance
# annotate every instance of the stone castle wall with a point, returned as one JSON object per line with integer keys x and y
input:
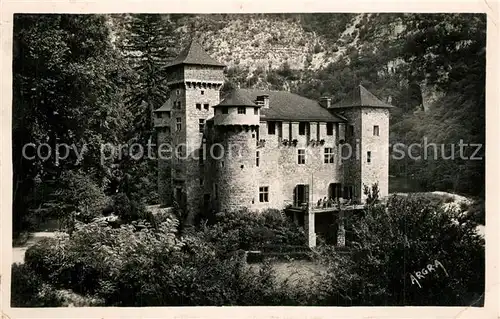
{"x": 378, "y": 170}
{"x": 235, "y": 170}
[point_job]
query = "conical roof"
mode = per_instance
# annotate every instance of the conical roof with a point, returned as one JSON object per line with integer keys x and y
{"x": 360, "y": 96}
{"x": 237, "y": 98}
{"x": 195, "y": 54}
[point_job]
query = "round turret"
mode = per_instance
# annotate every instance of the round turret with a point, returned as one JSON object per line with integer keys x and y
{"x": 237, "y": 109}
{"x": 236, "y": 122}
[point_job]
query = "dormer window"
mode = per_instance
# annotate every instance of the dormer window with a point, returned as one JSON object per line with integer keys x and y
{"x": 262, "y": 100}
{"x": 242, "y": 110}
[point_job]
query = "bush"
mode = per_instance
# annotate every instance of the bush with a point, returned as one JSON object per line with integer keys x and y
{"x": 129, "y": 210}
{"x": 394, "y": 241}
{"x": 28, "y": 289}
{"x": 250, "y": 231}
{"x": 124, "y": 267}
{"x": 81, "y": 194}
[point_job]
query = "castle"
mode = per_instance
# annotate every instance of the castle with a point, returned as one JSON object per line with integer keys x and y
{"x": 265, "y": 149}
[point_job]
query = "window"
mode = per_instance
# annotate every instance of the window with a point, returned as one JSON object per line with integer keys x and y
{"x": 329, "y": 155}
{"x": 178, "y": 92}
{"x": 301, "y": 156}
{"x": 202, "y": 92}
{"x": 198, "y": 106}
{"x": 159, "y": 115}
{"x": 205, "y": 106}
{"x": 178, "y": 125}
{"x": 257, "y": 159}
{"x": 376, "y": 130}
{"x": 221, "y": 163}
{"x": 201, "y": 181}
{"x": 216, "y": 191}
{"x": 225, "y": 110}
{"x": 242, "y": 110}
{"x": 264, "y": 194}
{"x": 271, "y": 128}
{"x": 201, "y": 125}
{"x": 255, "y": 111}
{"x": 329, "y": 128}
{"x": 302, "y": 128}
{"x": 168, "y": 114}
{"x": 368, "y": 157}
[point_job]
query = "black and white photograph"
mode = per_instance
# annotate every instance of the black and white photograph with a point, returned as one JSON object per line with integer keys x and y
{"x": 248, "y": 159}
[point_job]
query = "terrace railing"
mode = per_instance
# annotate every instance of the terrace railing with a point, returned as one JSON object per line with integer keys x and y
{"x": 320, "y": 205}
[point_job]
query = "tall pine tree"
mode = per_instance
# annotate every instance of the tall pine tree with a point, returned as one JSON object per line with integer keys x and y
{"x": 149, "y": 44}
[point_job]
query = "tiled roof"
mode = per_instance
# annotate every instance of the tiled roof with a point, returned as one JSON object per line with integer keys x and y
{"x": 360, "y": 96}
{"x": 237, "y": 98}
{"x": 195, "y": 54}
{"x": 165, "y": 107}
{"x": 284, "y": 105}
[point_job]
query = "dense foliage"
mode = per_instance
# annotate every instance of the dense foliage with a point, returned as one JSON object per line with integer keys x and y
{"x": 394, "y": 241}
{"x": 130, "y": 266}
{"x": 249, "y": 231}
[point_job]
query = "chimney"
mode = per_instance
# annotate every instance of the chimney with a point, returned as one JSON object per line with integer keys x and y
{"x": 325, "y": 102}
{"x": 263, "y": 100}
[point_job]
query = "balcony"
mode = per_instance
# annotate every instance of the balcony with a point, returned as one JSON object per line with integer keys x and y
{"x": 329, "y": 206}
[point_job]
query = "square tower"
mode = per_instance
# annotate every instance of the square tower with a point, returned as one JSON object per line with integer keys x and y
{"x": 366, "y": 140}
{"x": 194, "y": 80}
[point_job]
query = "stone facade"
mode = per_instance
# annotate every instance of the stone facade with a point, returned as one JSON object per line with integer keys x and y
{"x": 193, "y": 93}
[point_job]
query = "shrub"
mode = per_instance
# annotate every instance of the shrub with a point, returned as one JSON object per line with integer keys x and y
{"x": 128, "y": 210}
{"x": 125, "y": 267}
{"x": 78, "y": 192}
{"x": 95, "y": 255}
{"x": 251, "y": 231}
{"x": 28, "y": 289}
{"x": 394, "y": 241}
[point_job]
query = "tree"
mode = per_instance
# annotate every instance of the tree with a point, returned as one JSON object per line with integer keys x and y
{"x": 67, "y": 80}
{"x": 394, "y": 241}
{"x": 149, "y": 45}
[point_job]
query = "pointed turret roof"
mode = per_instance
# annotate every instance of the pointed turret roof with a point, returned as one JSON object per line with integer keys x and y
{"x": 237, "y": 97}
{"x": 360, "y": 96}
{"x": 195, "y": 54}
